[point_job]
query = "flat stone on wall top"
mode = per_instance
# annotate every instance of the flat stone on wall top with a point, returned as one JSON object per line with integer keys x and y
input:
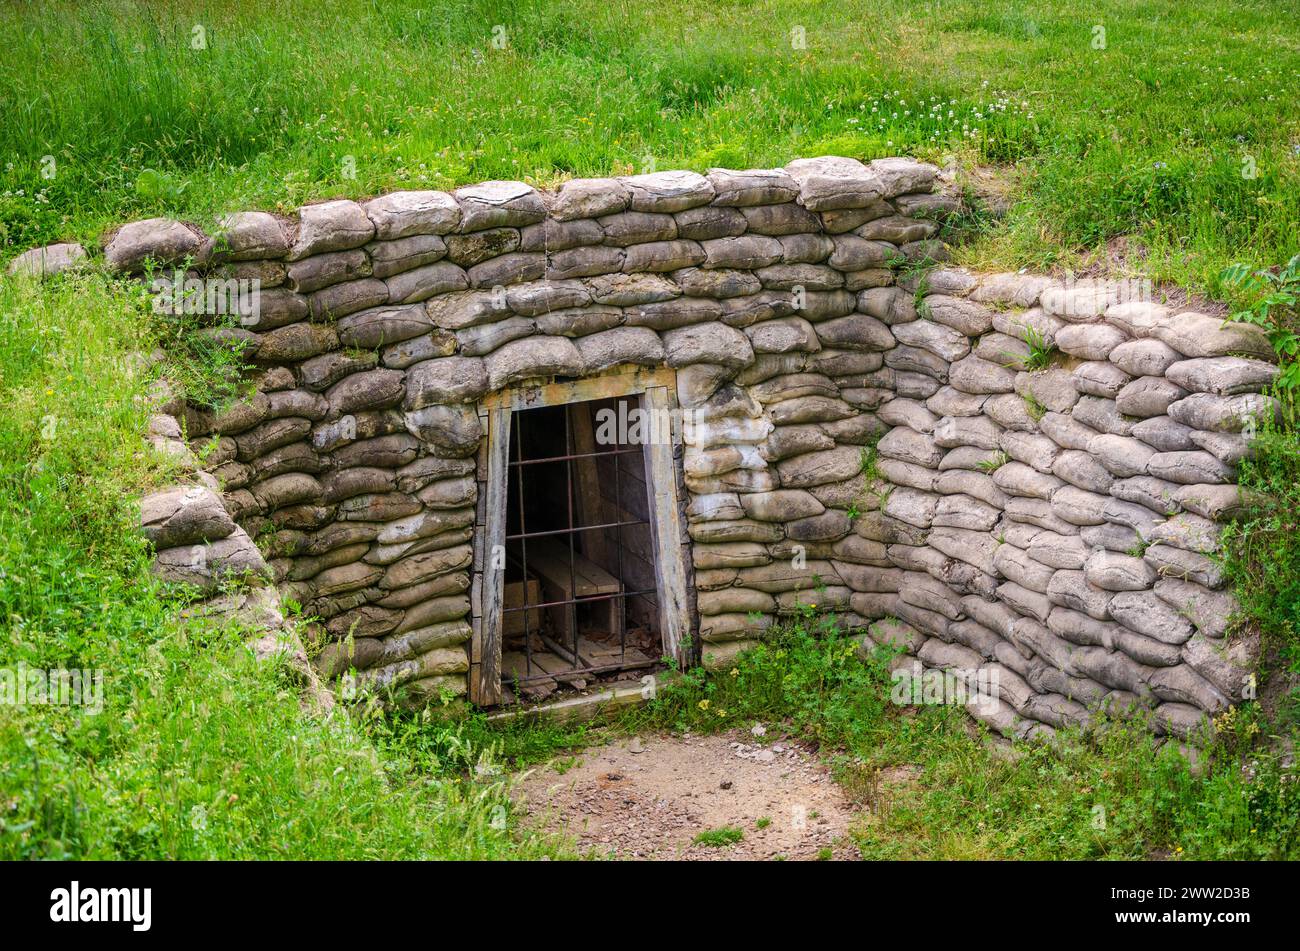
{"x": 48, "y": 260}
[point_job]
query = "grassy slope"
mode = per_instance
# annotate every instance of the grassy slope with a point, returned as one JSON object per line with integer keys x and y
{"x": 1145, "y": 138}
{"x": 199, "y": 753}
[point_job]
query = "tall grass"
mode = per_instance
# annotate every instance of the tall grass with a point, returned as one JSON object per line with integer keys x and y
{"x": 291, "y": 100}
{"x": 200, "y": 751}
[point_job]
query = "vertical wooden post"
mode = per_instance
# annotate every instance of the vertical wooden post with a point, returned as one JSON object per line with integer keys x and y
{"x": 666, "y": 526}
{"x": 487, "y": 686}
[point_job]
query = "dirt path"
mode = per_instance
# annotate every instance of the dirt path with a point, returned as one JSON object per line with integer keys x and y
{"x": 649, "y": 797}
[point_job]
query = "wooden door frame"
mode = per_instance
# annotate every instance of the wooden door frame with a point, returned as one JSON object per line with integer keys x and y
{"x": 658, "y": 389}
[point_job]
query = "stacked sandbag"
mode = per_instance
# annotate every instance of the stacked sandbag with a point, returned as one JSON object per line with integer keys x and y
{"x": 776, "y": 445}
{"x": 201, "y": 551}
{"x": 1060, "y": 525}
{"x": 381, "y": 325}
{"x": 198, "y": 543}
{"x": 861, "y": 433}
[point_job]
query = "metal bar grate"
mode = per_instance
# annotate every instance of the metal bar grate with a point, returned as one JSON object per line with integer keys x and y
{"x": 569, "y": 536}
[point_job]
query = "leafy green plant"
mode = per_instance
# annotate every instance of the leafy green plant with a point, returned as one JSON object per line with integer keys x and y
{"x": 1139, "y": 548}
{"x": 867, "y": 461}
{"x": 1262, "y": 545}
{"x": 158, "y": 187}
{"x": 720, "y": 837}
{"x": 993, "y": 464}
{"x": 1275, "y": 309}
{"x": 199, "y": 360}
{"x": 922, "y": 289}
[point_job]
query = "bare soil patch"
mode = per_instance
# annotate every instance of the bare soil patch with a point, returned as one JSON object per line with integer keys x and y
{"x": 650, "y": 797}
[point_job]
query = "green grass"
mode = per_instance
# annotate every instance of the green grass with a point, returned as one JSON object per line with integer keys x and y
{"x": 1115, "y": 792}
{"x": 1262, "y": 547}
{"x": 1111, "y": 793}
{"x": 1263, "y": 557}
{"x": 199, "y": 751}
{"x": 293, "y": 100}
{"x": 720, "y": 837}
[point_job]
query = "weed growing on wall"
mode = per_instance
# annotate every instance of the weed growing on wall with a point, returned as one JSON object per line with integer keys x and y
{"x": 1042, "y": 354}
{"x": 1274, "y": 305}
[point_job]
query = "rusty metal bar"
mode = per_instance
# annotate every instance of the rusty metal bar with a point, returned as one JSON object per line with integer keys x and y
{"x": 572, "y": 531}
{"x": 618, "y": 547}
{"x": 572, "y": 613}
{"x": 574, "y": 455}
{"x": 575, "y": 531}
{"x": 590, "y": 599}
{"x": 518, "y": 443}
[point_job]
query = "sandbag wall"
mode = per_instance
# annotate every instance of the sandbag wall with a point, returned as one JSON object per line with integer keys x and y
{"x": 1032, "y": 521}
{"x": 198, "y": 546}
{"x": 380, "y": 325}
{"x": 1055, "y": 528}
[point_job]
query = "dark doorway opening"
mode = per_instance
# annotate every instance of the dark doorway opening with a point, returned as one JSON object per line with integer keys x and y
{"x": 579, "y": 603}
